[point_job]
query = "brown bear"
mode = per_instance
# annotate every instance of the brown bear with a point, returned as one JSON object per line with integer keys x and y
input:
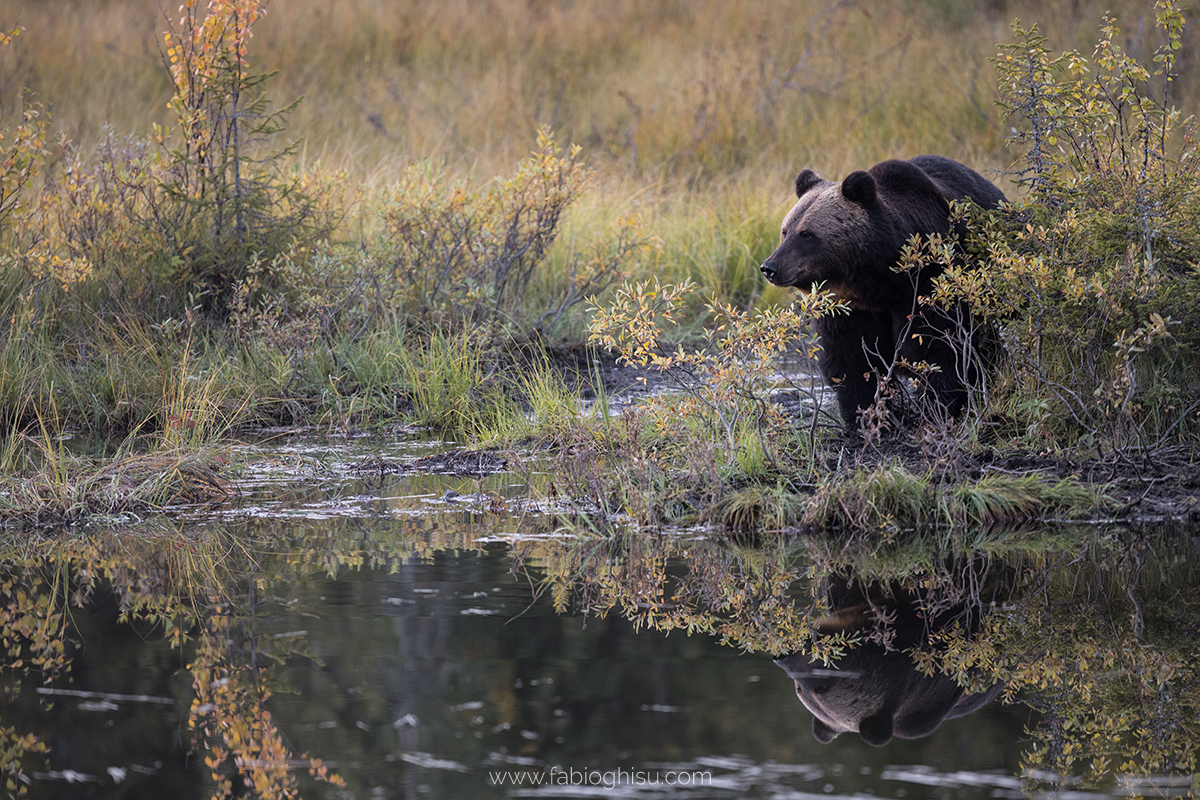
{"x": 876, "y": 689}
{"x": 848, "y": 237}
{"x": 878, "y": 693}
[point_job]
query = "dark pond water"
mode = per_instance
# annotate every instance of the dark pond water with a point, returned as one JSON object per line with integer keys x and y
{"x": 400, "y": 632}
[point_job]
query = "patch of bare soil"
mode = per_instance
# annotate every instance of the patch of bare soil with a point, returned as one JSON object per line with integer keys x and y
{"x": 1144, "y": 486}
{"x": 1148, "y": 486}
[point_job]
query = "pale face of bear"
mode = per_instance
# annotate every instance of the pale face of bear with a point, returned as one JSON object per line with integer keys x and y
{"x": 842, "y": 701}
{"x": 824, "y": 239}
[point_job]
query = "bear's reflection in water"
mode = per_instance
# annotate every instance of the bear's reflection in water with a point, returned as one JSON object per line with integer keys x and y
{"x": 876, "y": 689}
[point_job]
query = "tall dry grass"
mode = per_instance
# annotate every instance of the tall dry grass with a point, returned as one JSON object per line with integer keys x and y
{"x": 652, "y": 90}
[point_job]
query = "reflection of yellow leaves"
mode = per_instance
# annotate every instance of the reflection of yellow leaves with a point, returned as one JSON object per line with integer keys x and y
{"x": 743, "y": 601}
{"x": 13, "y": 749}
{"x": 153, "y": 578}
{"x": 228, "y": 717}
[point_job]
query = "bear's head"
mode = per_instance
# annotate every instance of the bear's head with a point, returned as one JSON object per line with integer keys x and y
{"x": 877, "y": 689}
{"x": 879, "y": 694}
{"x": 847, "y": 236}
{"x": 825, "y": 234}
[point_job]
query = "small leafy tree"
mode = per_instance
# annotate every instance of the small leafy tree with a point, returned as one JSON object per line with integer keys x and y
{"x": 230, "y": 200}
{"x": 24, "y": 155}
{"x": 726, "y": 380}
{"x": 185, "y": 213}
{"x": 1092, "y": 277}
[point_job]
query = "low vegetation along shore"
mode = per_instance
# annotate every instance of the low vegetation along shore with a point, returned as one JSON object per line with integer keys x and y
{"x": 478, "y": 245}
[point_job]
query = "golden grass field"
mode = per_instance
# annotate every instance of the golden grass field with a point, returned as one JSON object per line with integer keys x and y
{"x": 697, "y": 115}
{"x": 661, "y": 94}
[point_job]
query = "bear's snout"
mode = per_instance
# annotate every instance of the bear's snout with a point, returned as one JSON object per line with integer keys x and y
{"x": 768, "y": 271}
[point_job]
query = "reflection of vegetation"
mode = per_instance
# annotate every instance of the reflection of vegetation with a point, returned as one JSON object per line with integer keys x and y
{"x": 1098, "y": 634}
{"x": 1104, "y": 643}
{"x": 229, "y": 720}
{"x": 738, "y": 593}
{"x": 765, "y": 593}
{"x": 322, "y": 550}
{"x": 13, "y": 750}
{"x": 43, "y": 579}
{"x": 31, "y": 635}
{"x": 159, "y": 580}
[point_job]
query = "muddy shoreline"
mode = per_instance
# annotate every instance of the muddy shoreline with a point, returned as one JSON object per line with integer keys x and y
{"x": 1146, "y": 486}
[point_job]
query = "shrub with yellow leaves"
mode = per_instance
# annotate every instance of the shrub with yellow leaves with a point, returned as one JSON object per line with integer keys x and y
{"x": 462, "y": 258}
{"x": 1092, "y": 277}
{"x": 725, "y": 380}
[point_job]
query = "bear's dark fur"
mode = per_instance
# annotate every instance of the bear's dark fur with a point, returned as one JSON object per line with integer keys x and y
{"x": 875, "y": 690}
{"x": 878, "y": 693}
{"x": 848, "y": 236}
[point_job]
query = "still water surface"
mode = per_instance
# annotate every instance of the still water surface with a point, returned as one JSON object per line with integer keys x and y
{"x": 400, "y": 631}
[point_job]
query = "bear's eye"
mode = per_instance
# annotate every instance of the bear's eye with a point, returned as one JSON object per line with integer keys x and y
{"x": 783, "y": 234}
{"x": 804, "y": 234}
{"x": 820, "y": 688}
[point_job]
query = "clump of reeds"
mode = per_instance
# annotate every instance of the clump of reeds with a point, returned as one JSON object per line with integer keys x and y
{"x": 174, "y": 456}
{"x": 70, "y": 490}
{"x": 891, "y": 498}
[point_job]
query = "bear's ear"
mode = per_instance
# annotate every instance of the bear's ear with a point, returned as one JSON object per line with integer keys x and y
{"x": 859, "y": 187}
{"x": 805, "y": 181}
{"x": 876, "y": 730}
{"x": 822, "y": 732}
